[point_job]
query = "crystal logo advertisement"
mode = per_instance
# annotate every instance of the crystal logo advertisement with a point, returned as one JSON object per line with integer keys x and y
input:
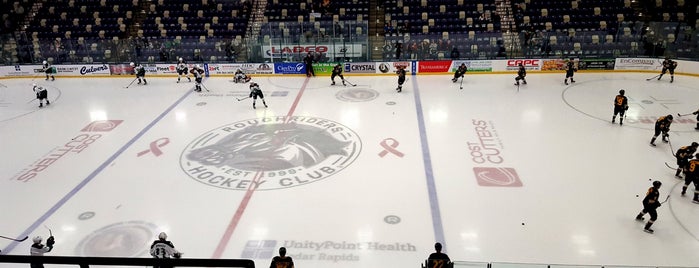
{"x": 270, "y": 153}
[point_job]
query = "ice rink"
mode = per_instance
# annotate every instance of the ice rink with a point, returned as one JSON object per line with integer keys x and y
{"x": 350, "y": 176}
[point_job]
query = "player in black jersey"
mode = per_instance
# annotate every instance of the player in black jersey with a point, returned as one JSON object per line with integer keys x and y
{"x": 459, "y": 72}
{"x": 683, "y": 155}
{"x": 521, "y": 74}
{"x": 662, "y": 125}
{"x": 255, "y": 92}
{"x": 650, "y": 204}
{"x": 691, "y": 173}
{"x": 438, "y": 259}
{"x": 282, "y": 261}
{"x": 570, "y": 70}
{"x": 670, "y": 65}
{"x": 621, "y": 104}
{"x": 401, "y": 78}
{"x": 182, "y": 70}
{"x": 163, "y": 249}
{"x": 41, "y": 95}
{"x": 49, "y": 70}
{"x": 337, "y": 71}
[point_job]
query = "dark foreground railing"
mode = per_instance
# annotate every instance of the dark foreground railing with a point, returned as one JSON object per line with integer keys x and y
{"x": 85, "y": 262}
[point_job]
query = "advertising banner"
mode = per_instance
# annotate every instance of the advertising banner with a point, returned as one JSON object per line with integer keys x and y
{"x": 513, "y": 65}
{"x": 685, "y": 66}
{"x": 360, "y": 67}
{"x": 231, "y": 68}
{"x": 438, "y": 66}
{"x": 83, "y": 69}
{"x": 329, "y": 50}
{"x": 120, "y": 69}
{"x": 391, "y": 67}
{"x": 596, "y": 64}
{"x": 289, "y": 68}
{"x": 473, "y": 65}
{"x": 324, "y": 68}
{"x": 638, "y": 64}
{"x": 21, "y": 70}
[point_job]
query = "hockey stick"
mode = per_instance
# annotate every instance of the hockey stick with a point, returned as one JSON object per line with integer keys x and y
{"x": 678, "y": 114}
{"x": 652, "y": 77}
{"x": 50, "y": 233}
{"x": 668, "y": 165}
{"x": 18, "y": 240}
{"x": 666, "y": 198}
{"x": 134, "y": 80}
{"x": 672, "y": 151}
{"x": 461, "y": 85}
{"x": 242, "y": 98}
{"x": 202, "y": 84}
{"x": 348, "y": 82}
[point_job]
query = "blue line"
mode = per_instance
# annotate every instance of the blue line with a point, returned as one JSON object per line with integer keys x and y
{"x": 429, "y": 175}
{"x": 92, "y": 175}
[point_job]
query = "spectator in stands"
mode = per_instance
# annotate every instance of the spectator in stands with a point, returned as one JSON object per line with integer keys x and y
{"x": 455, "y": 54}
{"x": 308, "y": 61}
{"x": 387, "y": 28}
{"x": 438, "y": 259}
{"x": 399, "y": 49}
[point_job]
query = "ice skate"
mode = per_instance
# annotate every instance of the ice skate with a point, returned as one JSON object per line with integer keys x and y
{"x": 648, "y": 230}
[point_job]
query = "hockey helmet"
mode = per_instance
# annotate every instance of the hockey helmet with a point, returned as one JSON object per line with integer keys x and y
{"x": 45, "y": 62}
{"x": 162, "y": 236}
{"x": 282, "y": 251}
{"x": 621, "y": 92}
{"x": 657, "y": 184}
{"x": 520, "y": 65}
{"x": 694, "y": 144}
{"x": 197, "y": 66}
{"x": 253, "y": 84}
{"x": 34, "y": 85}
{"x": 180, "y": 59}
{"x": 132, "y": 64}
{"x": 37, "y": 239}
{"x": 669, "y": 116}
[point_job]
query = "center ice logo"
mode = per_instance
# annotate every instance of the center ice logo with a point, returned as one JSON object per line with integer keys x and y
{"x": 270, "y": 153}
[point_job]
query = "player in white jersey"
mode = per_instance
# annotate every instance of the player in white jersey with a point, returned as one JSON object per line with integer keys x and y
{"x": 41, "y": 94}
{"x": 49, "y": 70}
{"x": 163, "y": 249}
{"x": 38, "y": 249}
{"x": 182, "y": 70}
{"x": 197, "y": 71}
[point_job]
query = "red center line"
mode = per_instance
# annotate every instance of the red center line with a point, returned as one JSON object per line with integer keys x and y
{"x": 248, "y": 194}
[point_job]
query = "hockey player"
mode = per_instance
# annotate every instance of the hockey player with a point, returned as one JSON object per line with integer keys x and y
{"x": 459, "y": 72}
{"x": 308, "y": 61}
{"x": 662, "y": 125}
{"x": 39, "y": 249}
{"x": 197, "y": 71}
{"x": 670, "y": 65}
{"x": 163, "y": 249}
{"x": 41, "y": 94}
{"x": 621, "y": 104}
{"x": 282, "y": 261}
{"x": 570, "y": 70}
{"x": 182, "y": 70}
{"x": 48, "y": 69}
{"x": 691, "y": 172}
{"x": 650, "y": 204}
{"x": 401, "y": 78}
{"x": 140, "y": 72}
{"x": 683, "y": 155}
{"x": 255, "y": 92}
{"x": 337, "y": 71}
{"x": 521, "y": 74}
{"x": 697, "y": 114}
{"x": 241, "y": 77}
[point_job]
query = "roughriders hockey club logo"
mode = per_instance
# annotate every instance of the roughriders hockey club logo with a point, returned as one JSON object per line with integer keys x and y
{"x": 270, "y": 153}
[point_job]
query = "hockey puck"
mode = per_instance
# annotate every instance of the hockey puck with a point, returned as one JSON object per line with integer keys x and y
{"x": 522, "y": 223}
{"x": 636, "y": 195}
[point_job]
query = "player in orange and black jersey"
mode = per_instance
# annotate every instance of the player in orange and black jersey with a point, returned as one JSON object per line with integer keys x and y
{"x": 282, "y": 261}
{"x": 438, "y": 259}
{"x": 621, "y": 104}
{"x": 521, "y": 74}
{"x": 662, "y": 125}
{"x": 401, "y": 78}
{"x": 459, "y": 72}
{"x": 570, "y": 70}
{"x": 670, "y": 65}
{"x": 337, "y": 71}
{"x": 650, "y": 204}
{"x": 691, "y": 173}
{"x": 683, "y": 155}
